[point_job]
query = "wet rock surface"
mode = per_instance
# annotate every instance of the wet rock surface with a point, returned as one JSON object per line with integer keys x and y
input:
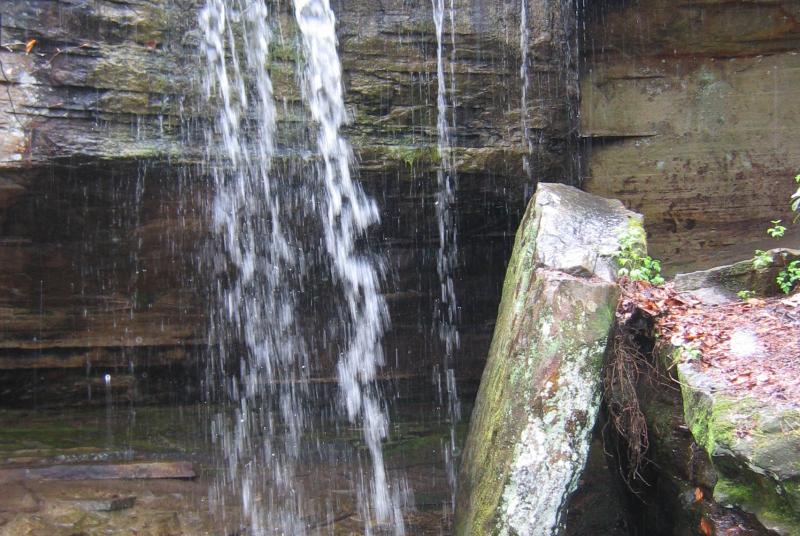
{"x": 721, "y": 284}
{"x": 105, "y": 96}
{"x": 99, "y": 134}
{"x": 675, "y": 496}
{"x": 721, "y": 404}
{"x": 97, "y": 442}
{"x": 754, "y": 445}
{"x": 578, "y": 234}
{"x": 540, "y": 393}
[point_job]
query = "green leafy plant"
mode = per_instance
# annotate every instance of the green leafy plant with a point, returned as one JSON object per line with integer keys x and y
{"x": 777, "y": 230}
{"x": 789, "y": 277}
{"x": 746, "y": 294}
{"x": 632, "y": 261}
{"x": 762, "y": 259}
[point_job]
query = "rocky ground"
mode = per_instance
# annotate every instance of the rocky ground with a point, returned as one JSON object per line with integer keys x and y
{"x": 735, "y": 366}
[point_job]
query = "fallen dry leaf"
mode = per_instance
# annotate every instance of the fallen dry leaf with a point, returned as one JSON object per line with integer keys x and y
{"x": 29, "y": 46}
{"x": 705, "y": 527}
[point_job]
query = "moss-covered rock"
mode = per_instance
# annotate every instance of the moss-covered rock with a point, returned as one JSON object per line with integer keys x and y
{"x": 538, "y": 400}
{"x": 754, "y": 445}
{"x": 676, "y": 484}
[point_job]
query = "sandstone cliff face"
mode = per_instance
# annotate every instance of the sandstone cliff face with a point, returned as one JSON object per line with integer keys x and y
{"x": 94, "y": 223}
{"x": 690, "y": 113}
{"x": 103, "y": 208}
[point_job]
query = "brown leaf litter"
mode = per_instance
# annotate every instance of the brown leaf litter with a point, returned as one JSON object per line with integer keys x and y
{"x": 750, "y": 347}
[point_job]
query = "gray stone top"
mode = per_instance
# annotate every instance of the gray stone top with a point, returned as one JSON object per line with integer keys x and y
{"x": 578, "y": 232}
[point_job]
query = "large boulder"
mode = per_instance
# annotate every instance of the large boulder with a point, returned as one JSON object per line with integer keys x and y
{"x": 676, "y": 485}
{"x": 540, "y": 393}
{"x": 754, "y": 443}
{"x": 737, "y": 400}
{"x": 724, "y": 454}
{"x": 734, "y": 408}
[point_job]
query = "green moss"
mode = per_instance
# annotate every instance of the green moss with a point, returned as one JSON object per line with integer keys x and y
{"x": 423, "y": 448}
{"x": 46, "y": 437}
{"x": 737, "y": 434}
{"x": 710, "y": 419}
{"x": 792, "y": 491}
{"x": 636, "y": 227}
{"x": 758, "y": 496}
{"x": 78, "y": 433}
{"x": 603, "y": 317}
{"x": 413, "y": 156}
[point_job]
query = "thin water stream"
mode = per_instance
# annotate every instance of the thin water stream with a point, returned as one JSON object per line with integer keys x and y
{"x": 524, "y": 40}
{"x": 447, "y": 254}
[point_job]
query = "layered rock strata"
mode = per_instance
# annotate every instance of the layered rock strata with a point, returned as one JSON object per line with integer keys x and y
{"x": 103, "y": 204}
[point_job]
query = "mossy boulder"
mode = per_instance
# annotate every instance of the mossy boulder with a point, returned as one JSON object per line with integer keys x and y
{"x": 538, "y": 401}
{"x": 675, "y": 487}
{"x": 754, "y": 445}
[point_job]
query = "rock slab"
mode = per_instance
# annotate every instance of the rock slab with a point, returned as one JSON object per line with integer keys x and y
{"x": 754, "y": 445}
{"x": 538, "y": 400}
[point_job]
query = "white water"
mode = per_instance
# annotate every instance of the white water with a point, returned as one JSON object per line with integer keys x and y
{"x": 261, "y": 369}
{"x": 447, "y": 254}
{"x": 346, "y": 214}
{"x": 254, "y": 308}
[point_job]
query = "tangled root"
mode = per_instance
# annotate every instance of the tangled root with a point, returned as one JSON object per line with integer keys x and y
{"x": 622, "y": 373}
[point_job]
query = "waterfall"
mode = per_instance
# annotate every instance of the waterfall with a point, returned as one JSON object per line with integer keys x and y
{"x": 447, "y": 254}
{"x": 268, "y": 231}
{"x": 252, "y": 320}
{"x": 346, "y": 214}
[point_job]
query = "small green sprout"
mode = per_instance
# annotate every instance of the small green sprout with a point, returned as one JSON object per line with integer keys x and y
{"x": 746, "y": 294}
{"x": 777, "y": 230}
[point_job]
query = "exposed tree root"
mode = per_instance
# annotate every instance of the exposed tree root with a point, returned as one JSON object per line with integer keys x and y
{"x": 629, "y": 366}
{"x": 620, "y": 382}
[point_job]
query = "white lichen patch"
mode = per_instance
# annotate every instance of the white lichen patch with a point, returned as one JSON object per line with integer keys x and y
{"x": 553, "y": 448}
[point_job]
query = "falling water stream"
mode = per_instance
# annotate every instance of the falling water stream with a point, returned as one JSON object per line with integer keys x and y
{"x": 257, "y": 269}
{"x": 262, "y": 360}
{"x": 447, "y": 254}
{"x": 524, "y": 38}
{"x": 346, "y": 214}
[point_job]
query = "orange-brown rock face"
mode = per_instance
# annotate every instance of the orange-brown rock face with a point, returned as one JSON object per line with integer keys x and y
{"x": 690, "y": 110}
